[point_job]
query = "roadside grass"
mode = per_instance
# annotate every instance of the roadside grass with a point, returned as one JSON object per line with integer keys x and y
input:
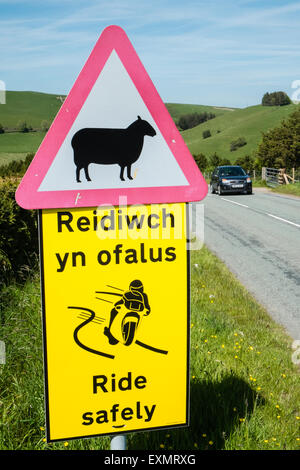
{"x": 245, "y": 390}
{"x": 259, "y": 183}
{"x": 291, "y": 189}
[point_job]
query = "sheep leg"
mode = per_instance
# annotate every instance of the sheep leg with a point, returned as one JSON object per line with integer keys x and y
{"x": 86, "y": 171}
{"x": 129, "y": 172}
{"x": 78, "y": 174}
{"x": 122, "y": 173}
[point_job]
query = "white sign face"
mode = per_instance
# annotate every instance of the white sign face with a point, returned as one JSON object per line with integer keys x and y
{"x": 115, "y": 103}
{"x": 112, "y": 138}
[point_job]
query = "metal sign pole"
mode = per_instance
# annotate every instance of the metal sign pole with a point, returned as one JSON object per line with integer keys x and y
{"x": 118, "y": 442}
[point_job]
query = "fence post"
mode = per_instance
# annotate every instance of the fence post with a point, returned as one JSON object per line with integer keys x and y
{"x": 263, "y": 173}
{"x": 281, "y": 175}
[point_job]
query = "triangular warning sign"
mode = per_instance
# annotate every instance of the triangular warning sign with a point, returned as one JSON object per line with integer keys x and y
{"x": 112, "y": 140}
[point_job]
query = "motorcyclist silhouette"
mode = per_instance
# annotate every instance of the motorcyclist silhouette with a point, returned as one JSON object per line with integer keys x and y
{"x": 135, "y": 301}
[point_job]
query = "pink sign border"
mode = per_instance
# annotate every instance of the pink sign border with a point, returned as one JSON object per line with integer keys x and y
{"x": 27, "y": 195}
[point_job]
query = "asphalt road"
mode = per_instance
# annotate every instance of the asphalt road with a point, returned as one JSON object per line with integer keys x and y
{"x": 258, "y": 238}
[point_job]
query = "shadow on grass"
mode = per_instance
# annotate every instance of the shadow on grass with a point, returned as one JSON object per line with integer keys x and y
{"x": 216, "y": 410}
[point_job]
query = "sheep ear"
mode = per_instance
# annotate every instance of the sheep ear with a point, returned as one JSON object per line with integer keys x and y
{"x": 139, "y": 117}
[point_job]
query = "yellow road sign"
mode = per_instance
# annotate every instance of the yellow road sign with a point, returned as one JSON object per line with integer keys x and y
{"x": 115, "y": 291}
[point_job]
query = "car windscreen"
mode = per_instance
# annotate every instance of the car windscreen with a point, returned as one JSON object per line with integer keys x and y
{"x": 234, "y": 171}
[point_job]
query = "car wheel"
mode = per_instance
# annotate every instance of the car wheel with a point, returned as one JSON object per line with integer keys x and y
{"x": 220, "y": 192}
{"x": 211, "y": 189}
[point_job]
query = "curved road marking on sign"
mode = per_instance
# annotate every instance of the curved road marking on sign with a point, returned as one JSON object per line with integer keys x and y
{"x": 284, "y": 220}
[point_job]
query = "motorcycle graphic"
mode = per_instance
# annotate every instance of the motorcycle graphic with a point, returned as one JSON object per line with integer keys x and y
{"x": 125, "y": 318}
{"x": 127, "y": 313}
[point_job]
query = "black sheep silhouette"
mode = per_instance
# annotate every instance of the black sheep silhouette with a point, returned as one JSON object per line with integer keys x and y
{"x": 110, "y": 146}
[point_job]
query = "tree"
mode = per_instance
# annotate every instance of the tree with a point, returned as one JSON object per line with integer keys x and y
{"x": 206, "y": 134}
{"x": 235, "y": 144}
{"x": 45, "y": 125}
{"x": 225, "y": 161}
{"x": 266, "y": 99}
{"x": 280, "y": 147}
{"x": 22, "y": 126}
{"x": 214, "y": 160}
{"x": 201, "y": 161}
{"x": 277, "y": 98}
{"x": 187, "y": 121}
{"x": 246, "y": 162}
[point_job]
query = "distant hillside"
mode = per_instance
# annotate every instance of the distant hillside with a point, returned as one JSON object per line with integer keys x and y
{"x": 231, "y": 123}
{"x": 28, "y": 106}
{"x": 31, "y": 107}
{"x": 177, "y": 109}
{"x": 34, "y": 107}
{"x": 248, "y": 123}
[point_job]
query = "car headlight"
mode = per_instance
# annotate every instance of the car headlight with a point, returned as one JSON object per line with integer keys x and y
{"x": 248, "y": 180}
{"x": 224, "y": 181}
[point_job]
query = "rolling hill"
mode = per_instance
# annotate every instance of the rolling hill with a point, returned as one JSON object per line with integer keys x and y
{"x": 31, "y": 107}
{"x": 228, "y": 125}
{"x": 249, "y": 123}
{"x": 28, "y": 106}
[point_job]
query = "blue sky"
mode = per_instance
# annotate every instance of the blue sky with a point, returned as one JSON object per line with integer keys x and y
{"x": 223, "y": 53}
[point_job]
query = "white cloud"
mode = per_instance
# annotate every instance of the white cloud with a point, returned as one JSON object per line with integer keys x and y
{"x": 179, "y": 42}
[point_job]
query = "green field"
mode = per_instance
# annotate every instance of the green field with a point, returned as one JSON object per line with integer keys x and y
{"x": 31, "y": 107}
{"x": 18, "y": 143}
{"x": 248, "y": 123}
{"x": 28, "y": 106}
{"x": 228, "y": 125}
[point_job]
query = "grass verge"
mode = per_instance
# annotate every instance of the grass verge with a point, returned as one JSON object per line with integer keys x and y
{"x": 290, "y": 189}
{"x": 245, "y": 390}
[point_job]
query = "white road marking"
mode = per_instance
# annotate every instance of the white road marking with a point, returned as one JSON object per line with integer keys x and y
{"x": 270, "y": 215}
{"x": 234, "y": 202}
{"x": 284, "y": 220}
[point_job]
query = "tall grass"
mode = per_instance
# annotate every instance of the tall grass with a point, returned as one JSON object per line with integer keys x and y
{"x": 245, "y": 390}
{"x": 289, "y": 189}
